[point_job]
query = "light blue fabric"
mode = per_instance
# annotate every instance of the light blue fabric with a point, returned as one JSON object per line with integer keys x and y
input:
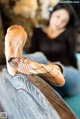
{"x": 38, "y": 57}
{"x": 71, "y": 75}
{"x": 13, "y": 91}
{"x": 78, "y": 60}
{"x": 20, "y": 99}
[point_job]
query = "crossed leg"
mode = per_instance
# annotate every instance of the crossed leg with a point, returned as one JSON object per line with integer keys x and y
{"x": 15, "y": 39}
{"x": 16, "y": 63}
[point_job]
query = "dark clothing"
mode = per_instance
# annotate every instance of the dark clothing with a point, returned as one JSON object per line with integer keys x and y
{"x": 60, "y": 49}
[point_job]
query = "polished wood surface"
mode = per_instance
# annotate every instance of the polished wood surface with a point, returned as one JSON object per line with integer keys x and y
{"x": 55, "y": 101}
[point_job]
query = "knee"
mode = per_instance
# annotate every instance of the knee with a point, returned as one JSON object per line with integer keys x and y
{"x": 71, "y": 89}
{"x": 72, "y": 81}
{"x": 40, "y": 54}
{"x": 41, "y": 57}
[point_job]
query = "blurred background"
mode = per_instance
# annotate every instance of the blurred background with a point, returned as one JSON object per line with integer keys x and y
{"x": 29, "y": 14}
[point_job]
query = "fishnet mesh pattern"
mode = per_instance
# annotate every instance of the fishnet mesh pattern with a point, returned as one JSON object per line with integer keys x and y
{"x": 27, "y": 66}
{"x": 14, "y": 42}
{"x": 49, "y": 75}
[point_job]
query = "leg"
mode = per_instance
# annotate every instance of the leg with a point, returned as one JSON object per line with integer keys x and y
{"x": 50, "y": 72}
{"x": 37, "y": 57}
{"x": 72, "y": 82}
{"x": 15, "y": 39}
{"x": 72, "y": 79}
{"x": 14, "y": 42}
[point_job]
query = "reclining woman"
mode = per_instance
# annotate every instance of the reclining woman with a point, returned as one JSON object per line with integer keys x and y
{"x": 16, "y": 63}
{"x": 50, "y": 35}
{"x": 57, "y": 41}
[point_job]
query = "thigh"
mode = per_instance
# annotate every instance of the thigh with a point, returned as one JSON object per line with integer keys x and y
{"x": 38, "y": 57}
{"x": 72, "y": 82}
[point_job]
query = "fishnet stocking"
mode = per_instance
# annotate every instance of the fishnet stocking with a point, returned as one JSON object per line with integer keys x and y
{"x": 14, "y": 42}
{"x": 49, "y": 72}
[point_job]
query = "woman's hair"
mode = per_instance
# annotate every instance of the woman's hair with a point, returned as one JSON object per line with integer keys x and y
{"x": 74, "y": 20}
